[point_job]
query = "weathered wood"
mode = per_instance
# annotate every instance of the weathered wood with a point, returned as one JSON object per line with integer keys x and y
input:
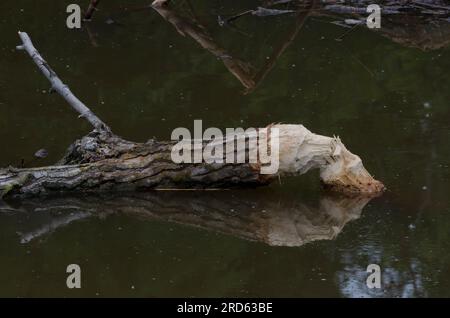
{"x": 102, "y": 161}
{"x": 98, "y": 164}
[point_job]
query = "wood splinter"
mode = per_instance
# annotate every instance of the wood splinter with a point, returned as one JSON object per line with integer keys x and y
{"x": 102, "y": 161}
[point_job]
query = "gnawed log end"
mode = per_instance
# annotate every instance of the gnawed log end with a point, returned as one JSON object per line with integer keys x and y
{"x": 301, "y": 150}
{"x": 345, "y": 173}
{"x": 369, "y": 187}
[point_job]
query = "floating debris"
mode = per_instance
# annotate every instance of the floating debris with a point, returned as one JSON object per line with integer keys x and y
{"x": 264, "y": 12}
{"x": 110, "y": 21}
{"x": 353, "y": 21}
{"x": 221, "y": 21}
{"x": 41, "y": 153}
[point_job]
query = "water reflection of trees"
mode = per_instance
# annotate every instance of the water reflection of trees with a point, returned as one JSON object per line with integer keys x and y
{"x": 406, "y": 27}
{"x": 245, "y": 72}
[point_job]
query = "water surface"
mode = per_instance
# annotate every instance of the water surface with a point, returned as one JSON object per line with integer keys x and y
{"x": 387, "y": 101}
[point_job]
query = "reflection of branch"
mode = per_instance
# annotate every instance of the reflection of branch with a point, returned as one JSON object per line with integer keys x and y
{"x": 252, "y": 216}
{"x": 6, "y": 208}
{"x": 301, "y": 18}
{"x": 241, "y": 70}
{"x": 92, "y": 36}
{"x": 91, "y": 9}
{"x": 419, "y": 33}
{"x": 422, "y": 24}
{"x": 238, "y": 68}
{"x": 264, "y": 10}
{"x": 54, "y": 223}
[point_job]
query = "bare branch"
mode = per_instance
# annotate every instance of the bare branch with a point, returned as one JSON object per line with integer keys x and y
{"x": 59, "y": 86}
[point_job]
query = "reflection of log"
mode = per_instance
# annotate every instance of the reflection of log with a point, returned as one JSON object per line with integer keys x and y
{"x": 269, "y": 219}
{"x": 421, "y": 24}
{"x": 424, "y": 24}
{"x": 102, "y": 161}
{"x": 419, "y": 33}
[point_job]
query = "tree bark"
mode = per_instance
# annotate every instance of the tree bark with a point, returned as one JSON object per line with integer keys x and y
{"x": 98, "y": 164}
{"x": 102, "y": 161}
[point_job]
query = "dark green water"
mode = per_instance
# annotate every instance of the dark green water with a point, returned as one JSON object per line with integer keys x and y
{"x": 388, "y": 103}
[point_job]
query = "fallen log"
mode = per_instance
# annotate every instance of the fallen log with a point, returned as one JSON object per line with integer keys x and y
{"x": 102, "y": 161}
